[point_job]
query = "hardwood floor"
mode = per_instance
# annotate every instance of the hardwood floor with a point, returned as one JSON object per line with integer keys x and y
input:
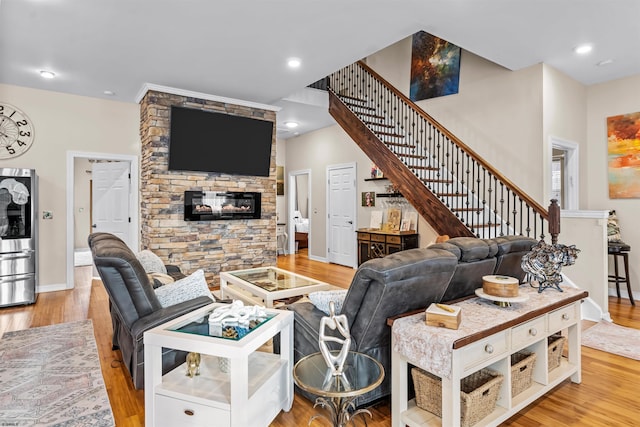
{"x": 607, "y": 396}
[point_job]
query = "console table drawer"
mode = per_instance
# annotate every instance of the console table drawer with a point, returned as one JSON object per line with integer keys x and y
{"x": 177, "y": 412}
{"x": 563, "y": 317}
{"x": 377, "y": 238}
{"x": 485, "y": 349}
{"x": 394, "y": 239}
{"x": 528, "y": 333}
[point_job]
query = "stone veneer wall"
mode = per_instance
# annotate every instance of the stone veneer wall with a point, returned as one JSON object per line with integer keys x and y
{"x": 211, "y": 245}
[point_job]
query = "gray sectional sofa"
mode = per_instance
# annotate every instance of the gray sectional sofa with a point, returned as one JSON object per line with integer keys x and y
{"x": 407, "y": 281}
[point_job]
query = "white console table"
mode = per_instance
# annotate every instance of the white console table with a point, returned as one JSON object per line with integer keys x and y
{"x": 487, "y": 336}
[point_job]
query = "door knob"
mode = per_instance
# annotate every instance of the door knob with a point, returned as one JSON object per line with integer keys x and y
{"x": 94, "y": 225}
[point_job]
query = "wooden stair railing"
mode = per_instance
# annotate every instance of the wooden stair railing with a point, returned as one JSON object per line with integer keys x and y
{"x": 451, "y": 187}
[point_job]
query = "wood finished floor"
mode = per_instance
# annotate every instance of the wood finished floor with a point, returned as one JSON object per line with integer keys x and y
{"x": 608, "y": 395}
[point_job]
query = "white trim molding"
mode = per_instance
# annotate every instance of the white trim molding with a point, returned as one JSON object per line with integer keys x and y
{"x": 134, "y": 227}
{"x": 191, "y": 94}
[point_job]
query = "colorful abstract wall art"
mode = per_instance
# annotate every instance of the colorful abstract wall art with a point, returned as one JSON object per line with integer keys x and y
{"x": 435, "y": 67}
{"x": 623, "y": 141}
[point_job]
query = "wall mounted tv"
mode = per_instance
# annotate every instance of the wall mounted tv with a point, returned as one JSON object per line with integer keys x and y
{"x": 205, "y": 141}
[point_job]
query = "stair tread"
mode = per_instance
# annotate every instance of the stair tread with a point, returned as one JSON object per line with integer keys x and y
{"x": 466, "y": 209}
{"x": 375, "y": 116}
{"x": 451, "y": 195}
{"x": 378, "y": 124}
{"x": 393, "y": 134}
{"x": 420, "y": 167}
{"x": 353, "y": 98}
{"x": 399, "y": 144}
{"x": 443, "y": 181}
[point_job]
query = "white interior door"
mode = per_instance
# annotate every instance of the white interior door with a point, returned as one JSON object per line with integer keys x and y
{"x": 341, "y": 206}
{"x": 110, "y": 207}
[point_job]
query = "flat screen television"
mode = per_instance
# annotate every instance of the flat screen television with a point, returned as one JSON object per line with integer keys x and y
{"x": 205, "y": 141}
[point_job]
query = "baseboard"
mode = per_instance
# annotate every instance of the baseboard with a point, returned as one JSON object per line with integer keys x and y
{"x": 623, "y": 294}
{"x": 53, "y": 287}
{"x": 317, "y": 258}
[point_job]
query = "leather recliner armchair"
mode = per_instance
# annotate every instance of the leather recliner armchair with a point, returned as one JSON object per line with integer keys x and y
{"x": 134, "y": 305}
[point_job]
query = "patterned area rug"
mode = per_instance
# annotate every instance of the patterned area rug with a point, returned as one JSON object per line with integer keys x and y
{"x": 614, "y": 339}
{"x": 50, "y": 376}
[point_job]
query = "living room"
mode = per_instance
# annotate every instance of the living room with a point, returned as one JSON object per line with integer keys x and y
{"x": 539, "y": 99}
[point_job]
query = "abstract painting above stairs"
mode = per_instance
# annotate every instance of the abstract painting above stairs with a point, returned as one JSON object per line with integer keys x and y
{"x": 435, "y": 67}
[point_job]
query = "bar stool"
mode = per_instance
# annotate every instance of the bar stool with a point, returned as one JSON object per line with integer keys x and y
{"x": 620, "y": 250}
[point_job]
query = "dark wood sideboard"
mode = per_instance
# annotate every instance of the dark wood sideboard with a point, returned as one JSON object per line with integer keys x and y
{"x": 374, "y": 243}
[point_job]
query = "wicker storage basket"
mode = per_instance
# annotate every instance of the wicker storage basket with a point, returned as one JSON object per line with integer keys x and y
{"x": 522, "y": 364}
{"x": 556, "y": 344}
{"x": 478, "y": 394}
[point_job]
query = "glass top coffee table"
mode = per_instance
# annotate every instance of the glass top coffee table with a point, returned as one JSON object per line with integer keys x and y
{"x": 265, "y": 285}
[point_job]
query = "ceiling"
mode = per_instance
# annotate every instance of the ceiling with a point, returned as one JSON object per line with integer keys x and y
{"x": 239, "y": 49}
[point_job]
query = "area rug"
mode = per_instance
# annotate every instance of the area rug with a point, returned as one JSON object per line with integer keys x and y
{"x": 50, "y": 376}
{"x": 614, "y": 339}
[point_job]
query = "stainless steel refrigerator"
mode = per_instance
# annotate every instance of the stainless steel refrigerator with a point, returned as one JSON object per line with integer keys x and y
{"x": 18, "y": 236}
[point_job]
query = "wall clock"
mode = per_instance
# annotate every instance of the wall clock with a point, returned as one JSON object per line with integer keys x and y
{"x": 16, "y": 131}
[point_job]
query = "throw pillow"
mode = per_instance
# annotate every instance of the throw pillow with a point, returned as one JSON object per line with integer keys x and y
{"x": 185, "y": 289}
{"x": 613, "y": 228}
{"x": 159, "y": 279}
{"x": 151, "y": 262}
{"x": 321, "y": 299}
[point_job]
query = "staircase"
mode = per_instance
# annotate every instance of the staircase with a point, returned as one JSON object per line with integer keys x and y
{"x": 452, "y": 187}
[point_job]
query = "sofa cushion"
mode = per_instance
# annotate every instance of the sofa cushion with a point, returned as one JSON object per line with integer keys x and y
{"x": 508, "y": 244}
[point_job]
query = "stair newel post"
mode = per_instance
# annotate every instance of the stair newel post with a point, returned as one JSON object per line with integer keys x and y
{"x": 554, "y": 221}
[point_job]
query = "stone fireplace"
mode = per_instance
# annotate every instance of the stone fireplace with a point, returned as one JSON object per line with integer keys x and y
{"x": 213, "y": 246}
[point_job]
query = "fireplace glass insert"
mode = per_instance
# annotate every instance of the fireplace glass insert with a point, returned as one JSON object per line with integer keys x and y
{"x": 214, "y": 206}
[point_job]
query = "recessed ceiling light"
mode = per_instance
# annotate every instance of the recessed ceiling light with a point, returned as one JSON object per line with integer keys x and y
{"x": 605, "y": 62}
{"x": 291, "y": 125}
{"x": 109, "y": 92}
{"x": 583, "y": 49}
{"x": 47, "y": 74}
{"x": 294, "y": 62}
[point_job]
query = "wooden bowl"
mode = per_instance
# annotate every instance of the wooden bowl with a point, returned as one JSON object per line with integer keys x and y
{"x": 500, "y": 286}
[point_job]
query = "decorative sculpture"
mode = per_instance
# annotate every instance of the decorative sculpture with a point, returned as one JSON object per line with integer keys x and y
{"x": 193, "y": 364}
{"x": 544, "y": 263}
{"x": 228, "y": 320}
{"x": 341, "y": 323}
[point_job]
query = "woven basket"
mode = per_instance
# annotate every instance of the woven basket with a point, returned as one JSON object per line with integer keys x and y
{"x": 556, "y": 345}
{"x": 522, "y": 364}
{"x": 478, "y": 394}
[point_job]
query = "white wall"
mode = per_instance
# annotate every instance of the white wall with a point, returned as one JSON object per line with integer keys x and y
{"x": 588, "y": 231}
{"x": 497, "y": 112}
{"x": 66, "y": 123}
{"x": 564, "y": 117}
{"x": 606, "y": 100}
{"x": 281, "y": 201}
{"x": 330, "y": 146}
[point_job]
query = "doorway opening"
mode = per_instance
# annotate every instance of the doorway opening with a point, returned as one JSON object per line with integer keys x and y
{"x": 299, "y": 212}
{"x": 79, "y": 206}
{"x": 564, "y": 173}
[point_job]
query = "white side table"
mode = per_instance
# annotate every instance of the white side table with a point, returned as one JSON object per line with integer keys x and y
{"x": 257, "y": 387}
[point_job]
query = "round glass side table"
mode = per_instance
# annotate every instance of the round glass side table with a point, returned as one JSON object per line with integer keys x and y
{"x": 361, "y": 374}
